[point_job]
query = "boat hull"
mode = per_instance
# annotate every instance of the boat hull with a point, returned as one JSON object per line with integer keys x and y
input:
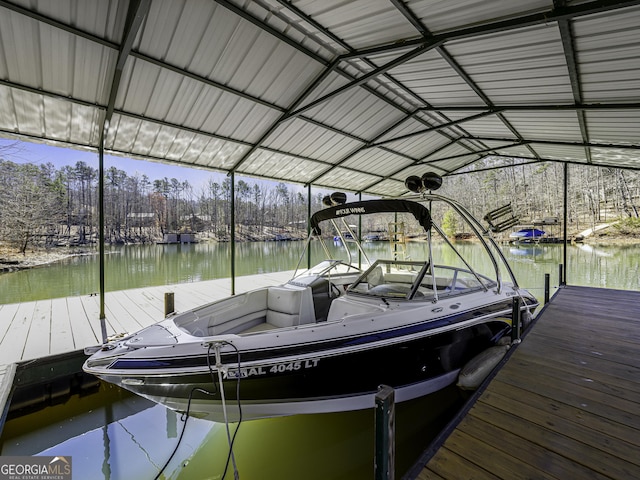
{"x": 324, "y": 381}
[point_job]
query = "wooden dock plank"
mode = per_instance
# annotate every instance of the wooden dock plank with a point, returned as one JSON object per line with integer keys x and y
{"x": 590, "y": 429}
{"x": 126, "y": 314}
{"x": 12, "y": 346}
{"x": 39, "y": 336}
{"x": 62, "y": 334}
{"x": 90, "y": 309}
{"x": 7, "y": 312}
{"x": 530, "y": 454}
{"x": 86, "y": 331}
{"x": 448, "y": 464}
{"x": 565, "y": 404}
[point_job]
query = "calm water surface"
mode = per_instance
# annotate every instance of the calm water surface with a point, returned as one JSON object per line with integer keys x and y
{"x": 149, "y": 265}
{"x": 114, "y": 435}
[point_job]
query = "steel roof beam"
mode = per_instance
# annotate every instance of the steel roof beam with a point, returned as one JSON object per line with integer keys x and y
{"x": 540, "y": 108}
{"x": 558, "y": 142}
{"x": 138, "y": 10}
{"x": 566, "y": 34}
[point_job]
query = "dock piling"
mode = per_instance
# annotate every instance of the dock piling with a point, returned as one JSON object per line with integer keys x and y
{"x": 546, "y": 288}
{"x": 169, "y": 304}
{"x": 385, "y": 433}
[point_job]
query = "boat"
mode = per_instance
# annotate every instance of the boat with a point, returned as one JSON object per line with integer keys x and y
{"x": 527, "y": 235}
{"x": 328, "y": 338}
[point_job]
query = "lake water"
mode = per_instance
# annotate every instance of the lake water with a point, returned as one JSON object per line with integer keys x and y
{"x": 148, "y": 265}
{"x": 115, "y": 435}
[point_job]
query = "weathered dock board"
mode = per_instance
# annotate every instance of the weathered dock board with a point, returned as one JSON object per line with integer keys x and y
{"x": 566, "y": 404}
{"x": 46, "y": 327}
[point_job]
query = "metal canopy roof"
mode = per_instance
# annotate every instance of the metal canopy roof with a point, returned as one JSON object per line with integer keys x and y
{"x": 355, "y": 95}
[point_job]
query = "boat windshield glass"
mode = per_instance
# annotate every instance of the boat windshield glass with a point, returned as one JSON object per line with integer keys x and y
{"x": 390, "y": 278}
{"x": 332, "y": 267}
{"x": 417, "y": 280}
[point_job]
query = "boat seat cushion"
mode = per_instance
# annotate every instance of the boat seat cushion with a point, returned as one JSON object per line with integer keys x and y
{"x": 289, "y": 306}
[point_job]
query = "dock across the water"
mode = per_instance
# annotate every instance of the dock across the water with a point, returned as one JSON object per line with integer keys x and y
{"x": 565, "y": 403}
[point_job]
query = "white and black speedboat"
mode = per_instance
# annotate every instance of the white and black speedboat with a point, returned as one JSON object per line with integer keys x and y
{"x": 327, "y": 339}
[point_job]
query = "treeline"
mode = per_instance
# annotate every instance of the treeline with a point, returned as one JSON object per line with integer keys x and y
{"x": 45, "y": 205}
{"x": 536, "y": 191}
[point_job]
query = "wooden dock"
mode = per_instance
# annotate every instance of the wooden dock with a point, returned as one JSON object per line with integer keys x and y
{"x": 565, "y": 404}
{"x": 48, "y": 327}
{"x": 45, "y": 333}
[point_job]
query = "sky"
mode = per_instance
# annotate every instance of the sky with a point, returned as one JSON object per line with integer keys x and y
{"x": 39, "y": 153}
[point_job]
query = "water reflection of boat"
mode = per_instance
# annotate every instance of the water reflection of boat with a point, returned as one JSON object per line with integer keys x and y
{"x": 325, "y": 340}
{"x": 527, "y": 250}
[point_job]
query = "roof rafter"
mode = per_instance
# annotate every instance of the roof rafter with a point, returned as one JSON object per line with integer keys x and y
{"x": 566, "y": 33}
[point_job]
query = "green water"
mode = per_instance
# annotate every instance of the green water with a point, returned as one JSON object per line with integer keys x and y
{"x": 148, "y": 265}
{"x": 114, "y": 435}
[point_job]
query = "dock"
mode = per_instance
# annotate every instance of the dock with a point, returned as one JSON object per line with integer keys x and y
{"x": 565, "y": 403}
{"x": 49, "y": 336}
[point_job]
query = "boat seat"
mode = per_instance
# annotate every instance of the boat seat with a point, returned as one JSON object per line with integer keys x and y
{"x": 289, "y": 306}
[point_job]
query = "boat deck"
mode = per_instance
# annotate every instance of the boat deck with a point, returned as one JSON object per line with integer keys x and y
{"x": 565, "y": 404}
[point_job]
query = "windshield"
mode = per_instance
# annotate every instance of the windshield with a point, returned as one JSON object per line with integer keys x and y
{"x": 332, "y": 267}
{"x": 390, "y": 278}
{"x": 417, "y": 280}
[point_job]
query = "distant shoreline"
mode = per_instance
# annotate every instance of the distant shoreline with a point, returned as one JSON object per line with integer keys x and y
{"x": 11, "y": 261}
{"x": 15, "y": 261}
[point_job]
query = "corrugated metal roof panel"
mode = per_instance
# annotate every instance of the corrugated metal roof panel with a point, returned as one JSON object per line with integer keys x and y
{"x": 614, "y": 157}
{"x": 388, "y": 188}
{"x": 361, "y": 23}
{"x": 445, "y": 15}
{"x": 306, "y": 139}
{"x": 268, "y": 164}
{"x": 419, "y": 146}
{"x": 565, "y": 152}
{"x": 452, "y": 165}
{"x": 356, "y": 112}
{"x": 490, "y": 126}
{"x": 551, "y": 125}
{"x": 382, "y": 162}
{"x": 526, "y": 65}
{"x": 516, "y": 151}
{"x": 614, "y": 127}
{"x": 431, "y": 77}
{"x": 347, "y": 179}
{"x": 609, "y": 56}
{"x": 453, "y": 149}
{"x": 102, "y": 18}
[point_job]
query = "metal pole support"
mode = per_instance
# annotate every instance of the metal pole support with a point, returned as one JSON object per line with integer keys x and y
{"x": 546, "y": 288}
{"x": 516, "y": 320}
{"x": 385, "y": 433}
{"x": 169, "y": 304}
{"x": 560, "y": 274}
